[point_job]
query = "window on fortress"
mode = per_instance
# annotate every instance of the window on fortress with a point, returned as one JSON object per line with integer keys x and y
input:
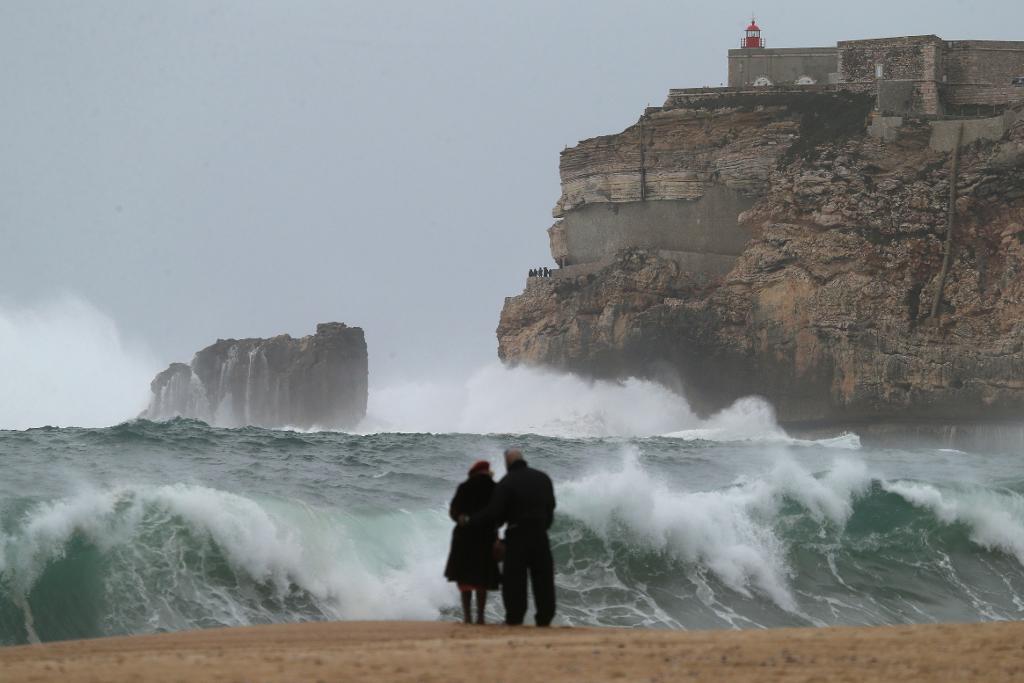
{"x": 879, "y": 71}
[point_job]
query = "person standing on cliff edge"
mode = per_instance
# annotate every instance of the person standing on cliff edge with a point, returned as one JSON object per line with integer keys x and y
{"x": 524, "y": 500}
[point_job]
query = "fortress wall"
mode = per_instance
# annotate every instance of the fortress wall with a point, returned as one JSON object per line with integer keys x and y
{"x": 919, "y": 74}
{"x": 914, "y": 60}
{"x": 706, "y": 226}
{"x": 782, "y": 66}
{"x": 898, "y": 98}
{"x": 911, "y": 58}
{"x": 983, "y": 62}
{"x": 905, "y": 98}
{"x": 979, "y": 72}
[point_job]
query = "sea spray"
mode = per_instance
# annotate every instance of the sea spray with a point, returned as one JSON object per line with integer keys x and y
{"x": 64, "y": 362}
{"x": 750, "y": 418}
{"x": 500, "y": 400}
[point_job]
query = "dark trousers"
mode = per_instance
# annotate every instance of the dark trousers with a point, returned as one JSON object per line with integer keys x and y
{"x": 527, "y": 551}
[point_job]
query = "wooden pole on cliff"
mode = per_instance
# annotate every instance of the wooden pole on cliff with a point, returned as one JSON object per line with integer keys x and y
{"x": 643, "y": 161}
{"x": 947, "y": 257}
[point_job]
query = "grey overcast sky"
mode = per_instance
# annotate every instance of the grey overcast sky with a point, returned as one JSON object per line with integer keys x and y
{"x": 244, "y": 168}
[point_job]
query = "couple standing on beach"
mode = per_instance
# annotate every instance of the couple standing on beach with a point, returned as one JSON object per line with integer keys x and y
{"x": 524, "y": 500}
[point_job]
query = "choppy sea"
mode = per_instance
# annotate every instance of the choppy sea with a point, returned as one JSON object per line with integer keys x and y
{"x": 724, "y": 523}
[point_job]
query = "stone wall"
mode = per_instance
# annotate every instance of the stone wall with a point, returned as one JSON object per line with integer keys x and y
{"x": 982, "y": 62}
{"x": 926, "y": 75}
{"x": 980, "y": 99}
{"x": 899, "y": 98}
{"x": 915, "y": 60}
{"x": 977, "y": 75}
{"x": 910, "y": 58}
{"x": 782, "y": 66}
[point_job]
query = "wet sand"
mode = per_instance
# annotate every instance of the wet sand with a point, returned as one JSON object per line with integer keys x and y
{"x": 444, "y": 652}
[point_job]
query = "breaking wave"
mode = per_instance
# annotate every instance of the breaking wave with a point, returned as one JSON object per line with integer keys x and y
{"x": 780, "y": 545}
{"x": 730, "y": 533}
{"x": 142, "y": 559}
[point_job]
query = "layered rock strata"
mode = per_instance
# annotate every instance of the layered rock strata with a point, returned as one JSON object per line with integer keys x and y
{"x": 317, "y": 381}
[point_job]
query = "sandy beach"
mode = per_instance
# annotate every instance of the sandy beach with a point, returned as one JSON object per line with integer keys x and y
{"x": 431, "y": 651}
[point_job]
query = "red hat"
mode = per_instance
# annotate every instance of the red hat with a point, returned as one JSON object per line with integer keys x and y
{"x": 480, "y": 466}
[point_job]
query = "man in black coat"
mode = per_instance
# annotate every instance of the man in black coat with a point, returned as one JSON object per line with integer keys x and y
{"x": 525, "y": 500}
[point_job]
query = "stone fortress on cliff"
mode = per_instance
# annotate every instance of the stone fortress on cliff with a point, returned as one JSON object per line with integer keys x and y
{"x": 912, "y": 75}
{"x": 659, "y": 186}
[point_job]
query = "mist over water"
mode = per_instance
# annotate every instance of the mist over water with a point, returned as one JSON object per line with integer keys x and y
{"x": 65, "y": 363}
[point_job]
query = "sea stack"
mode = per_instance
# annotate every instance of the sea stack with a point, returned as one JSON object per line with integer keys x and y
{"x": 849, "y": 247}
{"x": 317, "y": 381}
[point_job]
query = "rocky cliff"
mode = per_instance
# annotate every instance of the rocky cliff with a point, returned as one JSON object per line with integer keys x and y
{"x": 315, "y": 381}
{"x": 828, "y": 309}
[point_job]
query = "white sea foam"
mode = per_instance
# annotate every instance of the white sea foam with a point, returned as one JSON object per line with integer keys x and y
{"x": 65, "y": 363}
{"x": 729, "y": 531}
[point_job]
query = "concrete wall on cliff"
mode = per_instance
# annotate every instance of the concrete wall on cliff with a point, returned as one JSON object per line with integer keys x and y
{"x": 679, "y": 179}
{"x": 708, "y": 225}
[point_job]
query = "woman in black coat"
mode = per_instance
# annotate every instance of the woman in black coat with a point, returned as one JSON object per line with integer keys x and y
{"x": 471, "y": 562}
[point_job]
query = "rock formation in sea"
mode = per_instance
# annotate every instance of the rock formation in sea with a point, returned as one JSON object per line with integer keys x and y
{"x": 791, "y": 245}
{"x": 317, "y": 381}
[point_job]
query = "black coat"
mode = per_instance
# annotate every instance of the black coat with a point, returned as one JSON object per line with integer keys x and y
{"x": 471, "y": 559}
{"x": 524, "y": 498}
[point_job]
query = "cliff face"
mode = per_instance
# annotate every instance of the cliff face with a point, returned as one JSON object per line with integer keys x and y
{"x": 315, "y": 381}
{"x": 827, "y": 309}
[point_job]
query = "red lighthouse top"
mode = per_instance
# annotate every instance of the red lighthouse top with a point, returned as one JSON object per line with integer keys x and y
{"x": 753, "y": 36}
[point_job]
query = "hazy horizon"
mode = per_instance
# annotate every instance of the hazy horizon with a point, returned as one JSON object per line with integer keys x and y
{"x": 204, "y": 170}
